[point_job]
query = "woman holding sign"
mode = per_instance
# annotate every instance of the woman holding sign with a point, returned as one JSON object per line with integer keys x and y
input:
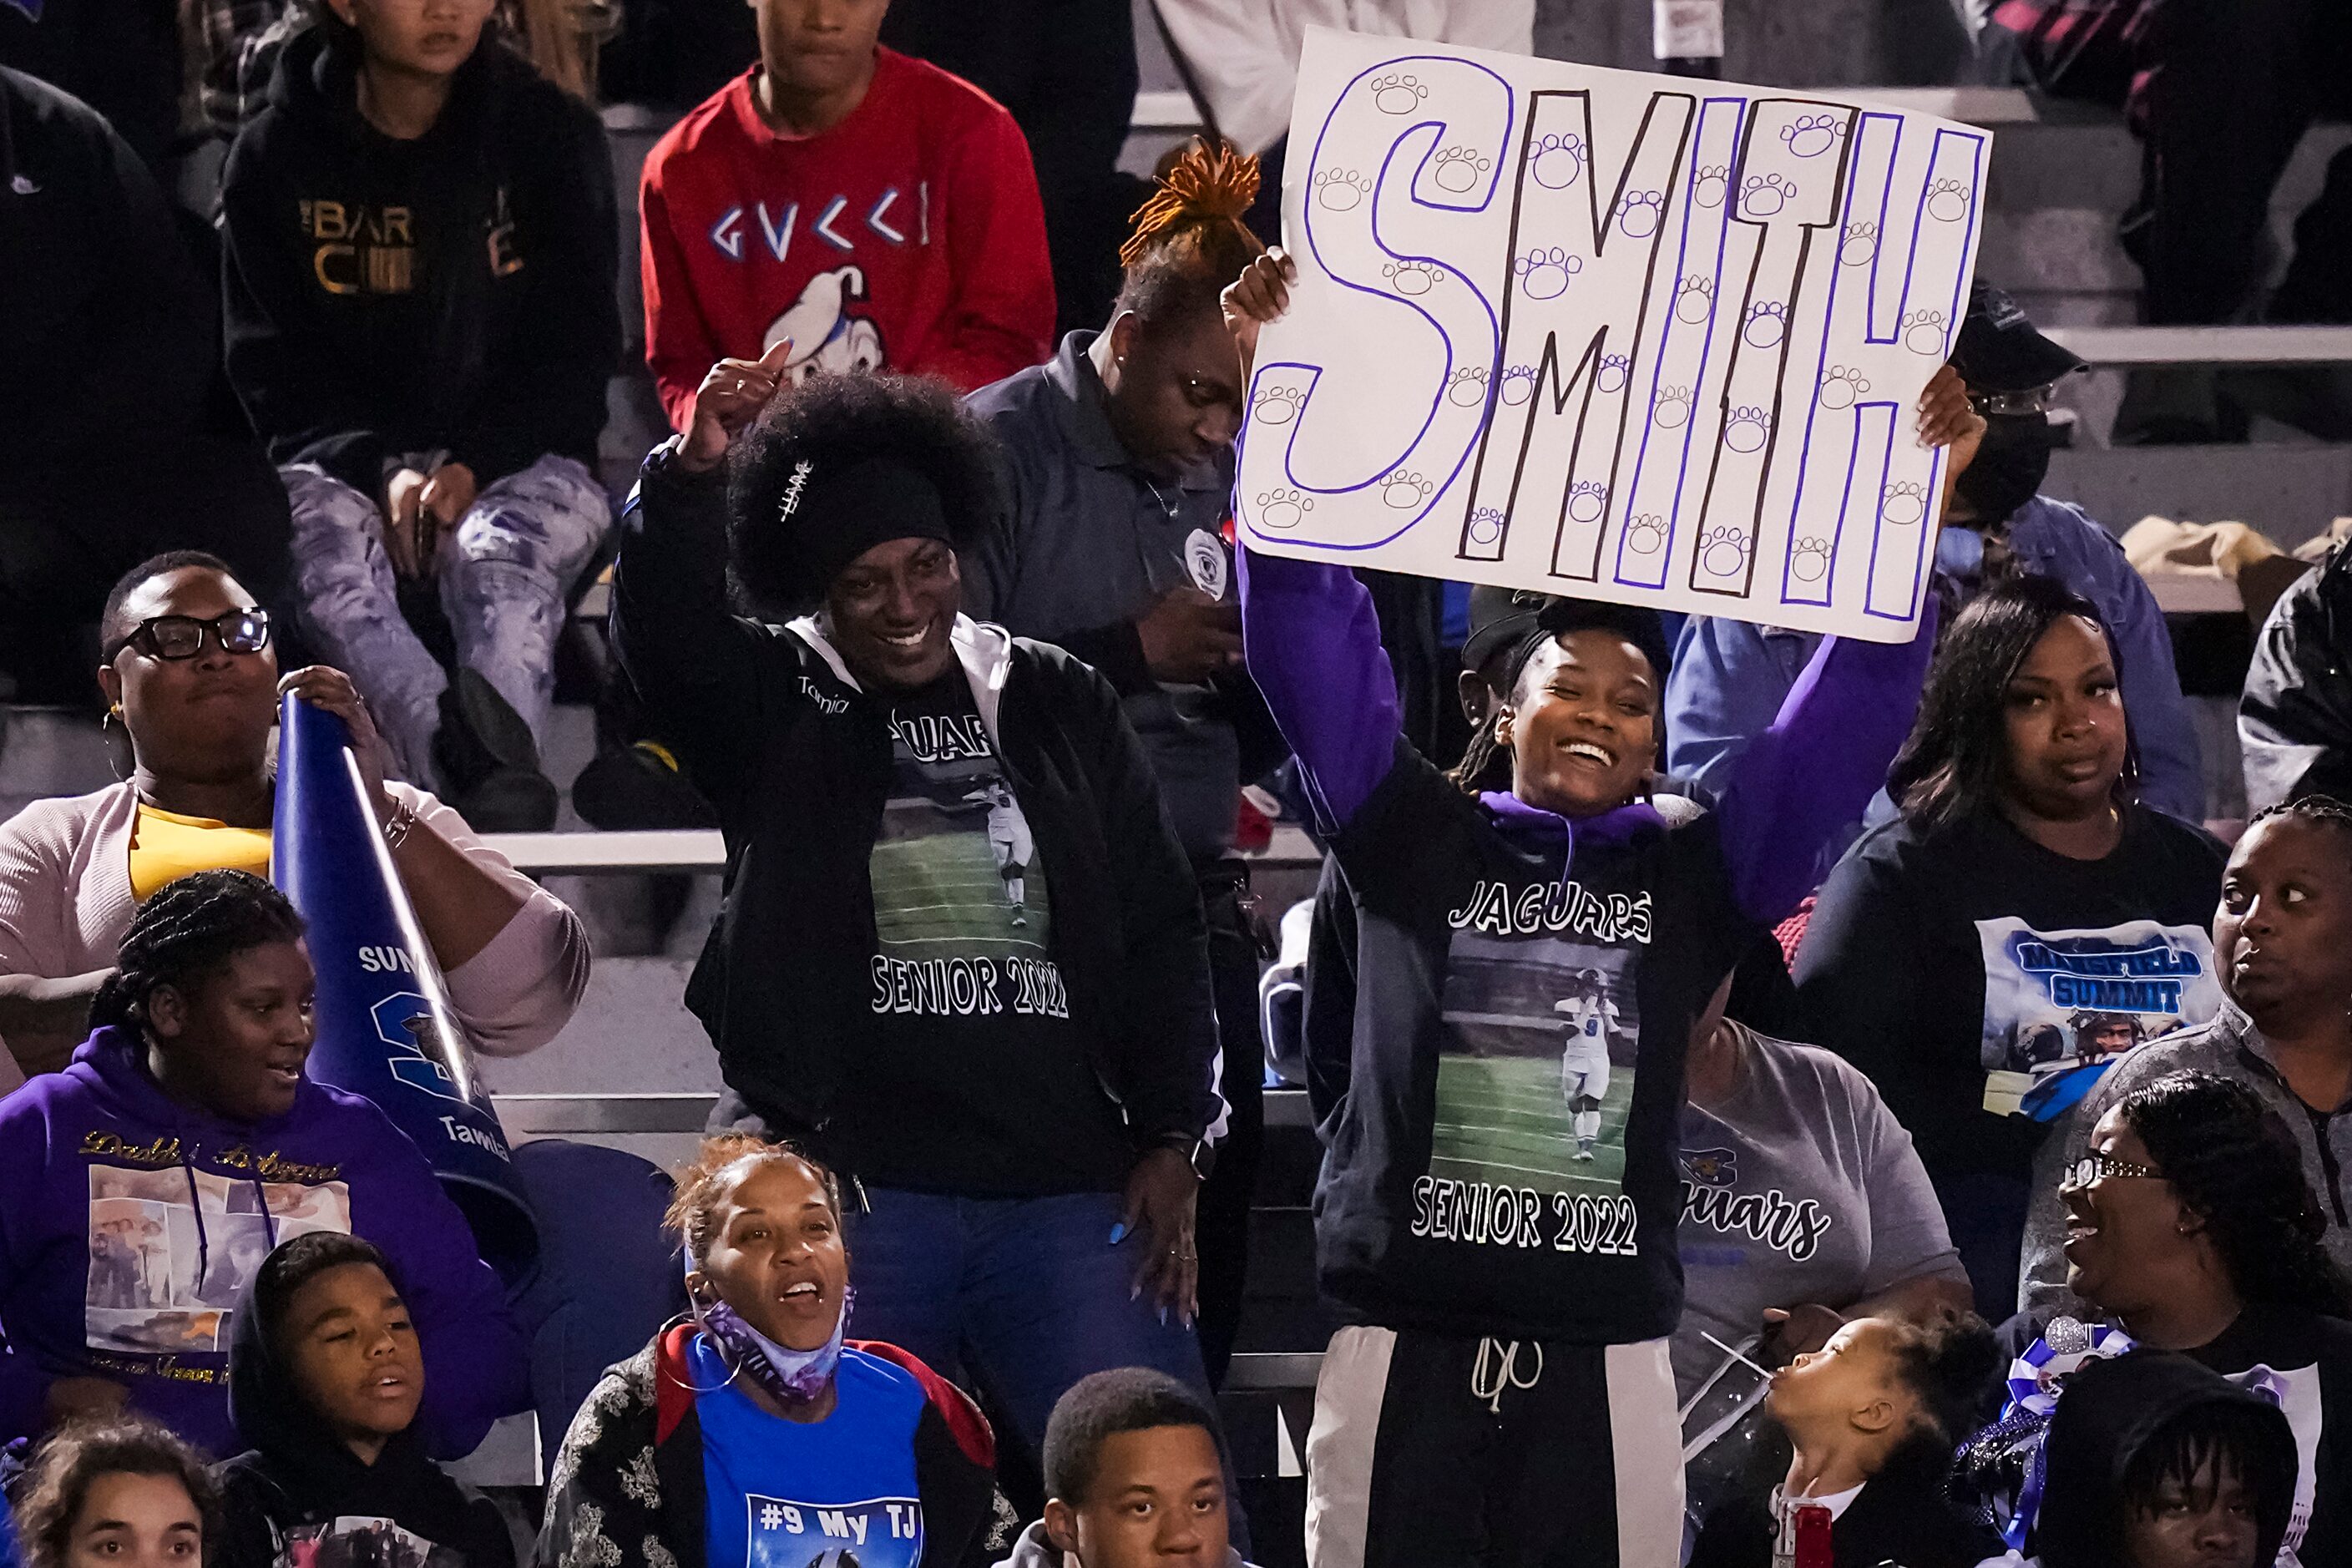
{"x": 191, "y": 674}
{"x": 1501, "y": 1230}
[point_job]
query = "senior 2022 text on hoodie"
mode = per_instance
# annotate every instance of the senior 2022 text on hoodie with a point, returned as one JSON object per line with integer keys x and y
{"x": 130, "y": 1225}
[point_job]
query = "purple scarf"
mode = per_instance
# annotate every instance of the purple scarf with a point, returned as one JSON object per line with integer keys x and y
{"x": 792, "y": 1377}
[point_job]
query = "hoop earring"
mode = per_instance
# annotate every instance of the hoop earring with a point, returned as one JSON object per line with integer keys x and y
{"x": 105, "y": 726}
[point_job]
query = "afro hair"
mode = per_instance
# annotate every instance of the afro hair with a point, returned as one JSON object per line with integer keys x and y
{"x": 834, "y": 421}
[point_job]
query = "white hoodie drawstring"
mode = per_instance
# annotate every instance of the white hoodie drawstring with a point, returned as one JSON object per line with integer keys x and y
{"x": 1497, "y": 1369}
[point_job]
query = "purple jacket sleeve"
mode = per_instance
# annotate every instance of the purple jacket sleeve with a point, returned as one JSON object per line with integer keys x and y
{"x": 1815, "y": 769}
{"x": 1313, "y": 649}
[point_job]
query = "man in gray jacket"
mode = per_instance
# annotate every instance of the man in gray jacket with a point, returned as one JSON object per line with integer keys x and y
{"x": 1118, "y": 466}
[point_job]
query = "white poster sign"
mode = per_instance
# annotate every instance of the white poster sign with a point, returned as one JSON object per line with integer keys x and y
{"x": 1629, "y": 337}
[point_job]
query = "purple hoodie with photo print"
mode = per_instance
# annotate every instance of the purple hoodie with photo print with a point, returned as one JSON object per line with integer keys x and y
{"x": 130, "y": 1224}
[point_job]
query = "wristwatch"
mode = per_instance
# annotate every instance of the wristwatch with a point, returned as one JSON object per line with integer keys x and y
{"x": 1199, "y": 1152}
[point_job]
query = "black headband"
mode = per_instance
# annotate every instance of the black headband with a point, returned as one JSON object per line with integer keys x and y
{"x": 831, "y": 514}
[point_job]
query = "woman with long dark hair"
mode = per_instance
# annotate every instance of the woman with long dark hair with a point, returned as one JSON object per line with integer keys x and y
{"x": 2024, "y": 919}
{"x": 134, "y": 1185}
{"x": 2188, "y": 1223}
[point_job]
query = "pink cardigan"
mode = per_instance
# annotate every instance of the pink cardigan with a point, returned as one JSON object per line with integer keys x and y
{"x": 65, "y": 902}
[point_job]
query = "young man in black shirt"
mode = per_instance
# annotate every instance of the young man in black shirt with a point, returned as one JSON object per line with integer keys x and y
{"x": 961, "y": 955}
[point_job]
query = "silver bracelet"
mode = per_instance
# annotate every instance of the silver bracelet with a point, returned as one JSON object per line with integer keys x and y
{"x": 403, "y": 818}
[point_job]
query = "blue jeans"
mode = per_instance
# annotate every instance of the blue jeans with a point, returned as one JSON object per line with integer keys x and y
{"x": 1023, "y": 1295}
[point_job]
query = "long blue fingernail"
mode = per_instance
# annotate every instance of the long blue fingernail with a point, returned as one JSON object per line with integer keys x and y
{"x": 1164, "y": 1317}
{"x": 1119, "y": 1233}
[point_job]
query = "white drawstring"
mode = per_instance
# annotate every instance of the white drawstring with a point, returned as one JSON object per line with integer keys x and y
{"x": 1497, "y": 1369}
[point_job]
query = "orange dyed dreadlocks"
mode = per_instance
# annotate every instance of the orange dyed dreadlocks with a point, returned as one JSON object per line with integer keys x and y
{"x": 1207, "y": 189}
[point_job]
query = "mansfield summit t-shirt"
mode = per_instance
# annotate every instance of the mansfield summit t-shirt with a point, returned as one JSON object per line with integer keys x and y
{"x": 1965, "y": 969}
{"x": 972, "y": 1078}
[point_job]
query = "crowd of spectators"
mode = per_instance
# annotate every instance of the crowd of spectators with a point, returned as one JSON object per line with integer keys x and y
{"x": 1864, "y": 1224}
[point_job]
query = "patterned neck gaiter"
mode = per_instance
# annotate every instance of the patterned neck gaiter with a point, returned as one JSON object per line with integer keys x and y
{"x": 792, "y": 1378}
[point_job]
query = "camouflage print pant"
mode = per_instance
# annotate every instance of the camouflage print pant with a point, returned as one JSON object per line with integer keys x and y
{"x": 503, "y": 573}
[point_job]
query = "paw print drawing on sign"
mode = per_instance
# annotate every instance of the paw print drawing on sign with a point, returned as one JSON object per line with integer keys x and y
{"x": 1404, "y": 491}
{"x": 1761, "y": 195}
{"x": 1339, "y": 190}
{"x": 1672, "y": 410}
{"x": 1709, "y": 186}
{"x": 1467, "y": 387}
{"x": 1903, "y": 504}
{"x": 1745, "y": 430}
{"x": 1923, "y": 332}
{"x": 1457, "y": 169}
{"x": 1558, "y": 160}
{"x": 1695, "y": 299}
{"x": 1948, "y": 200}
{"x": 1842, "y": 388}
{"x": 1810, "y": 561}
{"x": 1485, "y": 525}
{"x": 1614, "y": 372}
{"x": 1397, "y": 94}
{"x": 1810, "y": 135}
{"x": 1544, "y": 273}
{"x": 1587, "y": 502}
{"x": 1768, "y": 323}
{"x": 1639, "y": 214}
{"x": 1411, "y": 278}
{"x": 1282, "y": 509}
{"x": 1277, "y": 405}
{"x": 1645, "y": 533}
{"x": 1860, "y": 246}
{"x": 1723, "y": 551}
{"x": 1518, "y": 384}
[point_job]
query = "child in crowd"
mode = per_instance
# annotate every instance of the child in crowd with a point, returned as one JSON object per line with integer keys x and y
{"x": 757, "y": 1433}
{"x": 1493, "y": 1321}
{"x": 183, "y": 1125}
{"x": 1973, "y": 956}
{"x": 1135, "y": 1474}
{"x": 2153, "y": 1462}
{"x": 325, "y": 1376}
{"x": 872, "y": 209}
{"x": 420, "y": 261}
{"x": 118, "y": 1493}
{"x": 1873, "y": 1415}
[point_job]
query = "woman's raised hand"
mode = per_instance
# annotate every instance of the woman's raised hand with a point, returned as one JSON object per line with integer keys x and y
{"x": 730, "y": 397}
{"x": 1261, "y": 294}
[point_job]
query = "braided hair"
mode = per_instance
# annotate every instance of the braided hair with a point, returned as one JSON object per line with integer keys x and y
{"x": 186, "y": 932}
{"x": 2319, "y": 810}
{"x": 1188, "y": 241}
{"x": 2238, "y": 1170}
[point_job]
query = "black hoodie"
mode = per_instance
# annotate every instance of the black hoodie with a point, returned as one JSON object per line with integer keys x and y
{"x": 298, "y": 1481}
{"x": 452, "y": 293}
{"x": 2109, "y": 1412}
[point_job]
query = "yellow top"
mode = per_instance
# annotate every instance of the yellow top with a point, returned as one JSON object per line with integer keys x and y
{"x": 166, "y": 845}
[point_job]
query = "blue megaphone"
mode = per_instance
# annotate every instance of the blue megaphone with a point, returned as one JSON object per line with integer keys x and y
{"x": 385, "y": 1029}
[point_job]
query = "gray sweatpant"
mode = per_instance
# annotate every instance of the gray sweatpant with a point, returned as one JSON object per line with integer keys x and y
{"x": 503, "y": 573}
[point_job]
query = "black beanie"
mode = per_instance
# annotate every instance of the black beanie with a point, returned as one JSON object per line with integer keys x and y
{"x": 829, "y": 514}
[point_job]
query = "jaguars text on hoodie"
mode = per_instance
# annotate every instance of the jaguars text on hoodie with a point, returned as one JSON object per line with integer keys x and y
{"x": 452, "y": 293}
{"x": 129, "y": 1225}
{"x": 908, "y": 238}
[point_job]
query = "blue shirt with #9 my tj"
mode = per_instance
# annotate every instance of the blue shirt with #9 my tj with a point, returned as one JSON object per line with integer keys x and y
{"x": 785, "y": 1494}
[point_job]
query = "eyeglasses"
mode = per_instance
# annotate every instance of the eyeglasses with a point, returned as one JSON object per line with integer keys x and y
{"x": 182, "y": 636}
{"x": 2032, "y": 401}
{"x": 2095, "y": 1166}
